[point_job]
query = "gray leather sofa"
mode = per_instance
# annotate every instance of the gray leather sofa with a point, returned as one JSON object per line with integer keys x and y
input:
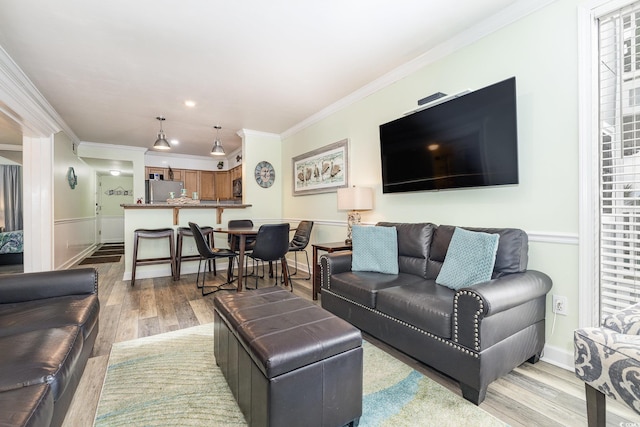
{"x": 474, "y": 335}
{"x": 48, "y": 325}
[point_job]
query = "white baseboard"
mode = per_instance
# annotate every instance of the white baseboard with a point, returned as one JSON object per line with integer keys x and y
{"x": 558, "y": 357}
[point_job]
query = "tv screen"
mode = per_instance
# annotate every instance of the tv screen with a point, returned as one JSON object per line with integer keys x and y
{"x": 469, "y": 141}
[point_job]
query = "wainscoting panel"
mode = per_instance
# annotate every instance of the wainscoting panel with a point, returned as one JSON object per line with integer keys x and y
{"x": 73, "y": 239}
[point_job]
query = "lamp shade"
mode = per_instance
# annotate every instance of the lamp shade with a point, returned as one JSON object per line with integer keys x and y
{"x": 161, "y": 143}
{"x": 218, "y": 149}
{"x": 355, "y": 199}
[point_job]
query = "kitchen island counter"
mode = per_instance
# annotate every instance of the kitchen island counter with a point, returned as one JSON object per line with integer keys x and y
{"x": 218, "y": 206}
{"x": 164, "y": 215}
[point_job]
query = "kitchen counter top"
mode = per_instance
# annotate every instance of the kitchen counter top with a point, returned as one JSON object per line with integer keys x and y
{"x": 219, "y": 206}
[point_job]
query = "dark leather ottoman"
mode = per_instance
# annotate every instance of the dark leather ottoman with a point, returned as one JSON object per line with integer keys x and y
{"x": 288, "y": 361}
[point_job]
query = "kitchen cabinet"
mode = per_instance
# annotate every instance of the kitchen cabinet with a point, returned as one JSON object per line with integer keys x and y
{"x": 208, "y": 185}
{"x": 223, "y": 186}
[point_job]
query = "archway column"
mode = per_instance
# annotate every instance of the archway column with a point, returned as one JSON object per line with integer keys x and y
{"x": 37, "y": 157}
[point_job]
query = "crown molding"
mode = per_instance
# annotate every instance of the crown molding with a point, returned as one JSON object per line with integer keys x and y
{"x": 24, "y": 104}
{"x": 242, "y": 133}
{"x": 500, "y": 20}
{"x": 111, "y": 146}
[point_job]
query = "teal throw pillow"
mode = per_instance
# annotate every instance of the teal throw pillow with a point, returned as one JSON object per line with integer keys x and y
{"x": 469, "y": 260}
{"x": 374, "y": 249}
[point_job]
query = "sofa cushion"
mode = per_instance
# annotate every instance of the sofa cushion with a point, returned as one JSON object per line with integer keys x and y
{"x": 363, "y": 286}
{"x": 425, "y": 305}
{"x": 469, "y": 260}
{"x": 27, "y": 406}
{"x": 414, "y": 242}
{"x": 375, "y": 249}
{"x": 44, "y": 356}
{"x": 81, "y": 310}
{"x": 511, "y": 256}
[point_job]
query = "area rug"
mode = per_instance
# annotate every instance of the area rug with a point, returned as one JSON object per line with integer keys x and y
{"x": 172, "y": 379}
{"x": 100, "y": 259}
{"x": 110, "y": 249}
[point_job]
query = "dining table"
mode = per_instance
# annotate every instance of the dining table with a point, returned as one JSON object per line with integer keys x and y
{"x": 241, "y": 234}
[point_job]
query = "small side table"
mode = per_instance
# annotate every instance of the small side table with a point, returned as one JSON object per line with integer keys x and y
{"x": 327, "y": 247}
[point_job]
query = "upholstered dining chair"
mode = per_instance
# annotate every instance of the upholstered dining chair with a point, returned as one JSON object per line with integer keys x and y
{"x": 207, "y": 253}
{"x": 607, "y": 359}
{"x": 299, "y": 244}
{"x": 272, "y": 244}
{"x": 233, "y": 242}
{"x": 250, "y": 241}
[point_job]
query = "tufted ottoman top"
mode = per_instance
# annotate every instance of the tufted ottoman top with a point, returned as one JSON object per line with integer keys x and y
{"x": 283, "y": 332}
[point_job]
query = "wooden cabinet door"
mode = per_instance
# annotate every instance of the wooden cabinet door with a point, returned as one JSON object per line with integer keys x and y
{"x": 177, "y": 174}
{"x": 223, "y": 186}
{"x": 191, "y": 181}
{"x": 236, "y": 173}
{"x": 207, "y": 185}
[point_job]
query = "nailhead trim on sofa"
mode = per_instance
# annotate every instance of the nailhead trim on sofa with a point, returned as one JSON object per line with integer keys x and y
{"x": 479, "y": 311}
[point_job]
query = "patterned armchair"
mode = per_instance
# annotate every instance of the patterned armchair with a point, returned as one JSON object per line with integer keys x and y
{"x": 607, "y": 359}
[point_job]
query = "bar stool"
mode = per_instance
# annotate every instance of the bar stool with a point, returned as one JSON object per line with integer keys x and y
{"x": 186, "y": 231}
{"x": 155, "y": 233}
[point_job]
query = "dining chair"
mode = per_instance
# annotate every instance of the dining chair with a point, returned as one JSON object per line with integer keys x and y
{"x": 233, "y": 241}
{"x": 299, "y": 244}
{"x": 250, "y": 241}
{"x": 207, "y": 253}
{"x": 272, "y": 244}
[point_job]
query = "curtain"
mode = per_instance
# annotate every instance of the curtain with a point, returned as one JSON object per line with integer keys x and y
{"x": 11, "y": 197}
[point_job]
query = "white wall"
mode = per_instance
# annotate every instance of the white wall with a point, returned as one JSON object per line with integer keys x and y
{"x": 74, "y": 209}
{"x": 540, "y": 50}
{"x": 266, "y": 202}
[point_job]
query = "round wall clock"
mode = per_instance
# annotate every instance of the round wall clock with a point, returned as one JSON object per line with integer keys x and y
{"x": 72, "y": 178}
{"x": 265, "y": 175}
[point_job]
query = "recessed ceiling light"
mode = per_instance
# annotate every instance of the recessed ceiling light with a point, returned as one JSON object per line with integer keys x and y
{"x": 190, "y": 103}
{"x": 114, "y": 172}
{"x": 174, "y": 142}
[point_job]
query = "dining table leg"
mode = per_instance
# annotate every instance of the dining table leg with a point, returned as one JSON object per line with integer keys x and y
{"x": 243, "y": 241}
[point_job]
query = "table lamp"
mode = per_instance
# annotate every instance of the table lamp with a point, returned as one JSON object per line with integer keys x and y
{"x": 354, "y": 199}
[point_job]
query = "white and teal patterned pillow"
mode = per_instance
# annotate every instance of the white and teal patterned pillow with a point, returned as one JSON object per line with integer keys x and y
{"x": 469, "y": 260}
{"x": 375, "y": 249}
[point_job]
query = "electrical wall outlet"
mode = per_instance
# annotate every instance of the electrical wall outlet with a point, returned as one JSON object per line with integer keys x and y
{"x": 559, "y": 305}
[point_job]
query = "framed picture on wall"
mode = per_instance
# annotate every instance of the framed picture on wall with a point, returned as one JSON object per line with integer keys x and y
{"x": 322, "y": 170}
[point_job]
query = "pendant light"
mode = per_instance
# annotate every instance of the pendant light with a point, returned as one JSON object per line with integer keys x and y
{"x": 217, "y": 149}
{"x": 161, "y": 143}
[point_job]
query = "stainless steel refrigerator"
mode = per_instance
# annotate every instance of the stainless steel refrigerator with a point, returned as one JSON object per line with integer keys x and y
{"x": 159, "y": 191}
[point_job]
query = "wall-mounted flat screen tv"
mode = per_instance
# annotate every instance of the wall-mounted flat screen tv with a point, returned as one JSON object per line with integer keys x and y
{"x": 469, "y": 141}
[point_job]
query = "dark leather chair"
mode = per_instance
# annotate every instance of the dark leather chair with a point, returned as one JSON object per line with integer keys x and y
{"x": 299, "y": 244}
{"x": 272, "y": 244}
{"x": 250, "y": 241}
{"x": 186, "y": 232}
{"x": 207, "y": 253}
{"x": 234, "y": 244}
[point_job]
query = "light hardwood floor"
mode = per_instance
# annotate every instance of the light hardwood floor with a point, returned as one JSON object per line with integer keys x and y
{"x": 531, "y": 395}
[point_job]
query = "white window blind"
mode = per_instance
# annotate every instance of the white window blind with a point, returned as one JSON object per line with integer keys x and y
{"x": 619, "y": 93}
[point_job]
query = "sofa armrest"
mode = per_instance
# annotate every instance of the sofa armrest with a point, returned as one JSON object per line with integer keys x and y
{"x": 511, "y": 290}
{"x": 625, "y": 321}
{"x": 48, "y": 284}
{"x": 472, "y": 305}
{"x": 334, "y": 263}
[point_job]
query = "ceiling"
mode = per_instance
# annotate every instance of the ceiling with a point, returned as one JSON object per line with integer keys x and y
{"x": 110, "y": 67}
